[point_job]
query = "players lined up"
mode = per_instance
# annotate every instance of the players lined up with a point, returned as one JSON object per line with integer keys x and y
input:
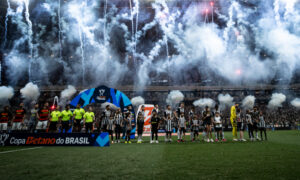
{"x": 116, "y": 122}
{"x": 209, "y": 121}
{"x": 46, "y": 120}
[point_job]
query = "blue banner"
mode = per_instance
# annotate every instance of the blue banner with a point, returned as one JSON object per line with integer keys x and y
{"x": 103, "y": 94}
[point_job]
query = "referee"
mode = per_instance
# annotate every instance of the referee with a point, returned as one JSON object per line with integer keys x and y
{"x": 88, "y": 120}
{"x": 77, "y": 116}
{"x": 66, "y": 116}
{"x": 55, "y": 116}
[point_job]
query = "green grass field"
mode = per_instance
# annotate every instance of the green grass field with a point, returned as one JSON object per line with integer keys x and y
{"x": 278, "y": 158}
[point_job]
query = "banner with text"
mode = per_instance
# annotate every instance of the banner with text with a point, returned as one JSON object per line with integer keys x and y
{"x": 52, "y": 139}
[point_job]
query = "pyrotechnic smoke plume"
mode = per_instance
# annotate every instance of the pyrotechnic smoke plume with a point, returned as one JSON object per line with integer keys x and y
{"x": 30, "y": 92}
{"x": 67, "y": 94}
{"x": 257, "y": 41}
{"x": 204, "y": 102}
{"x": 225, "y": 101}
{"x": 6, "y": 93}
{"x": 276, "y": 100}
{"x": 296, "y": 103}
{"x": 174, "y": 98}
{"x": 248, "y": 102}
{"x": 136, "y": 101}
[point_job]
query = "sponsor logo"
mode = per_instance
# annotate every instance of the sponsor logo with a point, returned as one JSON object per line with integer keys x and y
{"x": 3, "y": 138}
{"x": 61, "y": 141}
{"x": 39, "y": 140}
{"x": 77, "y": 140}
{"x": 101, "y": 96}
{"x": 45, "y": 139}
{"x": 16, "y": 141}
{"x": 147, "y": 117}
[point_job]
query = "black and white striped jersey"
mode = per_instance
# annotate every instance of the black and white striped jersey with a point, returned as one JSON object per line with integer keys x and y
{"x": 168, "y": 112}
{"x": 107, "y": 114}
{"x": 262, "y": 123}
{"x": 169, "y": 125}
{"x": 118, "y": 119}
{"x": 110, "y": 124}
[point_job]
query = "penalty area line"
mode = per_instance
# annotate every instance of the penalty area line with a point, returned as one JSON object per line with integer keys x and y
{"x": 4, "y": 152}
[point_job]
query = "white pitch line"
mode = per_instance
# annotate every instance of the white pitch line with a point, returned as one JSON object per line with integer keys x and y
{"x": 4, "y": 152}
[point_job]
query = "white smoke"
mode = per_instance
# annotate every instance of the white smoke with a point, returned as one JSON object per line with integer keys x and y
{"x": 276, "y": 100}
{"x": 6, "y": 93}
{"x": 112, "y": 106}
{"x": 204, "y": 102}
{"x": 248, "y": 102}
{"x": 296, "y": 103}
{"x": 82, "y": 16}
{"x": 257, "y": 41}
{"x": 136, "y": 101}
{"x": 16, "y": 66}
{"x": 225, "y": 101}
{"x": 30, "y": 92}
{"x": 68, "y": 93}
{"x": 174, "y": 98}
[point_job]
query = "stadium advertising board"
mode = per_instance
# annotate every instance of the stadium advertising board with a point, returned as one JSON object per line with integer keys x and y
{"x": 48, "y": 139}
{"x": 147, "y": 118}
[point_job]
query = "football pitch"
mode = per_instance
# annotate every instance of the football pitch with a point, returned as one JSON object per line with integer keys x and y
{"x": 277, "y": 158}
